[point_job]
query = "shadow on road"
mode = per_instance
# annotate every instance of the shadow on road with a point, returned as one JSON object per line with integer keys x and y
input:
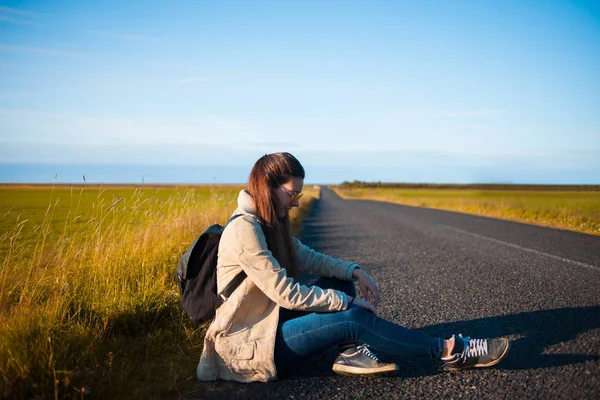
{"x": 536, "y": 331}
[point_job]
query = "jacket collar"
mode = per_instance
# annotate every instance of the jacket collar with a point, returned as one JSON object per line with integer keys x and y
{"x": 246, "y": 203}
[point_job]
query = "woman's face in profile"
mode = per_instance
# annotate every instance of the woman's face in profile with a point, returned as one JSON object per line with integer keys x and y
{"x": 286, "y": 196}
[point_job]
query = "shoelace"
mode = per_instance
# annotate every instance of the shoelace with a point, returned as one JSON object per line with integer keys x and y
{"x": 365, "y": 350}
{"x": 477, "y": 348}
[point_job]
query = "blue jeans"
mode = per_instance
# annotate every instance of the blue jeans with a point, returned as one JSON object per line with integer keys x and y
{"x": 301, "y": 334}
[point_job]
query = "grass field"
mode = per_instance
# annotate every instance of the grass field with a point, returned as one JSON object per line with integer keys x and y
{"x": 88, "y": 299}
{"x": 564, "y": 208}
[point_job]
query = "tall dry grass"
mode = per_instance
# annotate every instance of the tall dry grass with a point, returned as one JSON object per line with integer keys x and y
{"x": 88, "y": 300}
{"x": 96, "y": 310}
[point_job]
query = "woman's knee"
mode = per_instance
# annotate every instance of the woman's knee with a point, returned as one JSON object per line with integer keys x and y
{"x": 355, "y": 321}
{"x": 357, "y": 314}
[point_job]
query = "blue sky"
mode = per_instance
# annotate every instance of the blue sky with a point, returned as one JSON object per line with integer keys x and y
{"x": 437, "y": 91}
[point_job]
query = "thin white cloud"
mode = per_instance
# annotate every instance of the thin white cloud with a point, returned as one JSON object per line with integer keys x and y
{"x": 590, "y": 136}
{"x": 317, "y": 118}
{"x": 13, "y": 20}
{"x": 13, "y": 95}
{"x": 489, "y": 129}
{"x": 476, "y": 113}
{"x": 14, "y": 11}
{"x": 168, "y": 66}
{"x": 247, "y": 134}
{"x": 124, "y": 36}
{"x": 236, "y": 131}
{"x": 16, "y": 16}
{"x": 192, "y": 80}
{"x": 268, "y": 146}
{"x": 34, "y": 126}
{"x": 44, "y": 50}
{"x": 316, "y": 161}
{"x": 30, "y": 113}
{"x": 140, "y": 153}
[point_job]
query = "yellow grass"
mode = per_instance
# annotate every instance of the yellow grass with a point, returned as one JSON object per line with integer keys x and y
{"x": 93, "y": 307}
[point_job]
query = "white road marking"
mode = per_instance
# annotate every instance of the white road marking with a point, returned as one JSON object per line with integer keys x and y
{"x": 516, "y": 246}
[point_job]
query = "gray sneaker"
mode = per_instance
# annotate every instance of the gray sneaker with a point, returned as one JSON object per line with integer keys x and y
{"x": 360, "y": 361}
{"x": 476, "y": 353}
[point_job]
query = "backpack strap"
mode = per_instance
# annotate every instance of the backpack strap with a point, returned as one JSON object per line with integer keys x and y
{"x": 237, "y": 280}
{"x": 231, "y": 219}
{"x": 231, "y": 286}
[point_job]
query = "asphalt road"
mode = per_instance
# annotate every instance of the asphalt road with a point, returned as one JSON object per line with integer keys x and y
{"x": 444, "y": 273}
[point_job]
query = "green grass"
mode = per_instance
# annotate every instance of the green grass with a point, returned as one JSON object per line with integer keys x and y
{"x": 572, "y": 210}
{"x": 63, "y": 210}
{"x": 88, "y": 299}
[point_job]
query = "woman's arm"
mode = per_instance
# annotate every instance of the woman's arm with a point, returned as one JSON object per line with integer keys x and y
{"x": 320, "y": 264}
{"x": 249, "y": 247}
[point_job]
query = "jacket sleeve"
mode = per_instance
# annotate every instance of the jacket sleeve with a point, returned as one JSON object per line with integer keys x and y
{"x": 266, "y": 273}
{"x": 316, "y": 263}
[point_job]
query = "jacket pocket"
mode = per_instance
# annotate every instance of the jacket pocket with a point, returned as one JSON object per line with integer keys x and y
{"x": 230, "y": 349}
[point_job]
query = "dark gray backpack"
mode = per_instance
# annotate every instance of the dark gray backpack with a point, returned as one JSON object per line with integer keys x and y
{"x": 197, "y": 276}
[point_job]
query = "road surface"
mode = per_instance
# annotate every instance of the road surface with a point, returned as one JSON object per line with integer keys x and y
{"x": 444, "y": 273}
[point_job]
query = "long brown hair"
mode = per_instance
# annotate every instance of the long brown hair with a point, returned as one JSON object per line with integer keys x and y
{"x": 268, "y": 174}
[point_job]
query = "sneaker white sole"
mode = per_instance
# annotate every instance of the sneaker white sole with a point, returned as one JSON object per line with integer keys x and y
{"x": 387, "y": 370}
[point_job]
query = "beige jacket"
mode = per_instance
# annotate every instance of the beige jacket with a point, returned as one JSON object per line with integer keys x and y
{"x": 239, "y": 343}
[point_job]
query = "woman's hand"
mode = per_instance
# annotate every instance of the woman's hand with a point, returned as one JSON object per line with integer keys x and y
{"x": 367, "y": 287}
{"x": 361, "y": 303}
